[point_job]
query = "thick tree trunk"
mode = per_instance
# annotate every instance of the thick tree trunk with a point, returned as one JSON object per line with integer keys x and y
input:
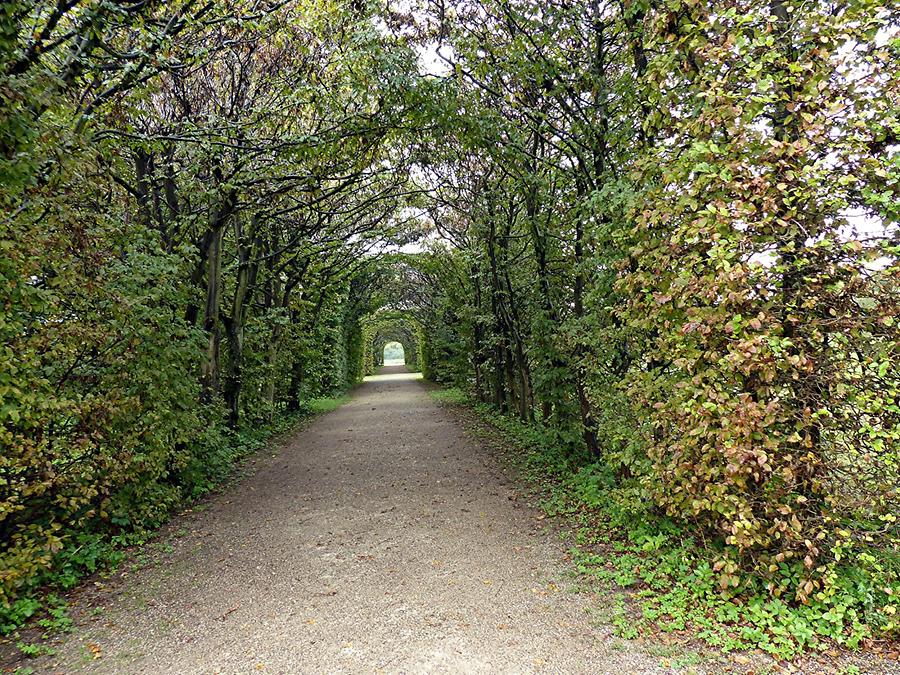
{"x": 234, "y": 329}
{"x": 233, "y": 384}
{"x": 209, "y": 369}
{"x": 234, "y": 324}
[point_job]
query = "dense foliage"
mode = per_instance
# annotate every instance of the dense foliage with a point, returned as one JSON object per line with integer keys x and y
{"x": 661, "y": 235}
{"x": 670, "y": 242}
{"x": 189, "y": 193}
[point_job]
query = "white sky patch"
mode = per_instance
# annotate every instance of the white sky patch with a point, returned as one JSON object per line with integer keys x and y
{"x": 433, "y": 59}
{"x": 415, "y": 247}
{"x": 862, "y": 225}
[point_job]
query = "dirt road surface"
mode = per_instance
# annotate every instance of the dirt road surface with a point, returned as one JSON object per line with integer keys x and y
{"x": 380, "y": 539}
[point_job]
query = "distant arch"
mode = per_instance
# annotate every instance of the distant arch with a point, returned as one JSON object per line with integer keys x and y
{"x": 393, "y": 354}
{"x": 384, "y": 327}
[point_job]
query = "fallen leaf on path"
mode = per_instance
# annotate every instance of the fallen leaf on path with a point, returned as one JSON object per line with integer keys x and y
{"x": 95, "y": 650}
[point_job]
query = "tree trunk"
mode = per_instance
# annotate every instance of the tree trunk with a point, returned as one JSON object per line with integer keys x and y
{"x": 588, "y": 425}
{"x": 209, "y": 369}
{"x": 478, "y": 338}
{"x": 271, "y": 365}
{"x": 234, "y": 324}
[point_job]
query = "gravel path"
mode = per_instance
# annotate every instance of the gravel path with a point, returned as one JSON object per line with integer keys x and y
{"x": 379, "y": 539}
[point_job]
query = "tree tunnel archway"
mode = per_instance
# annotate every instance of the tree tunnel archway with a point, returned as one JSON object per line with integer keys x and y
{"x": 383, "y": 327}
{"x": 393, "y": 354}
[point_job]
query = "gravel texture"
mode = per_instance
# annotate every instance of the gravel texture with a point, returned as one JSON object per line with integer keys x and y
{"x": 381, "y": 538}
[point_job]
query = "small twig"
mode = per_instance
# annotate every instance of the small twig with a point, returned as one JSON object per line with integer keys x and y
{"x": 233, "y": 609}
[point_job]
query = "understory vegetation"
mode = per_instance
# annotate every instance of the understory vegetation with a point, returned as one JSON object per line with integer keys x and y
{"x": 657, "y": 239}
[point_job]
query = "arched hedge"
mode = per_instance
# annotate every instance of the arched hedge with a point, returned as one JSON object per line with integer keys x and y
{"x": 391, "y": 326}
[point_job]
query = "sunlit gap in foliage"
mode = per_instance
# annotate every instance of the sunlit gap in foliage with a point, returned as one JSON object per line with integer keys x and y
{"x": 394, "y": 354}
